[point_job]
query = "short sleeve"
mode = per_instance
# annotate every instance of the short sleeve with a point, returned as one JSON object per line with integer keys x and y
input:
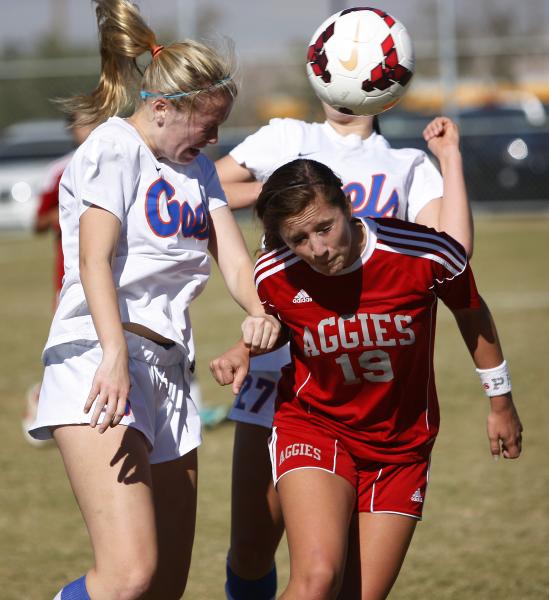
{"x": 265, "y": 298}
{"x": 455, "y": 286}
{"x": 212, "y": 187}
{"x": 425, "y": 185}
{"x": 267, "y": 265}
{"x": 103, "y": 176}
{"x": 263, "y": 149}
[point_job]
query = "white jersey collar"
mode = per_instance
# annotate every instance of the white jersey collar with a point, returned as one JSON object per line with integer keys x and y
{"x": 352, "y": 140}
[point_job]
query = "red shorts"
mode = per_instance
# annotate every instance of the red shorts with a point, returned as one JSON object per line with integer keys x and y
{"x": 380, "y": 488}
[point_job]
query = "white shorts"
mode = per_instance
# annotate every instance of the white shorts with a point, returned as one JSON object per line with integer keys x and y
{"x": 255, "y": 402}
{"x": 159, "y": 402}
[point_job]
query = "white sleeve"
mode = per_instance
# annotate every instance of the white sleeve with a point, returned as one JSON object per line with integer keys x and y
{"x": 426, "y": 185}
{"x": 212, "y": 188}
{"x": 266, "y": 149}
{"x": 103, "y": 176}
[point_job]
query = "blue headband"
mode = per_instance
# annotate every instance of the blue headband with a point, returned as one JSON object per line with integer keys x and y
{"x": 144, "y": 94}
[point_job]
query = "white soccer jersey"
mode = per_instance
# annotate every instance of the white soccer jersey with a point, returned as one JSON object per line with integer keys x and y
{"x": 161, "y": 262}
{"x": 381, "y": 181}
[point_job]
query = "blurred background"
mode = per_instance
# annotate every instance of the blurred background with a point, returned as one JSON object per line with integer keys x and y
{"x": 482, "y": 62}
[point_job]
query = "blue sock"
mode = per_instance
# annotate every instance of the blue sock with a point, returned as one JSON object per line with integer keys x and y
{"x": 76, "y": 590}
{"x": 237, "y": 588}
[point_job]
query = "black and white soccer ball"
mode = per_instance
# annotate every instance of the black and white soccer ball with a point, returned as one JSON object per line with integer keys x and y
{"x": 360, "y": 61}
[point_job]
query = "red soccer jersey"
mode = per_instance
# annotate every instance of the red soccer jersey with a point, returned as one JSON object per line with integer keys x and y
{"x": 49, "y": 201}
{"x": 362, "y": 341}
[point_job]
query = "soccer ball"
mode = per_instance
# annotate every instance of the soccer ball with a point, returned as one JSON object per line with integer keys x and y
{"x": 360, "y": 61}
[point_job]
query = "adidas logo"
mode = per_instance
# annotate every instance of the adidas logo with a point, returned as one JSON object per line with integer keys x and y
{"x": 302, "y": 297}
{"x": 416, "y": 496}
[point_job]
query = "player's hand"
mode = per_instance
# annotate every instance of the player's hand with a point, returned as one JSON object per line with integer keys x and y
{"x": 442, "y": 136}
{"x": 260, "y": 334}
{"x": 110, "y": 389}
{"x": 232, "y": 366}
{"x": 504, "y": 428}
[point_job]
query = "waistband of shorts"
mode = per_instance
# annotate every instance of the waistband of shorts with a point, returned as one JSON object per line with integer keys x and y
{"x": 145, "y": 350}
{"x": 297, "y": 417}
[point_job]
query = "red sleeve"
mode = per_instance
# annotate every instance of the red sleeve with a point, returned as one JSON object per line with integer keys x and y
{"x": 262, "y": 271}
{"x": 459, "y": 291}
{"x": 49, "y": 199}
{"x": 264, "y": 296}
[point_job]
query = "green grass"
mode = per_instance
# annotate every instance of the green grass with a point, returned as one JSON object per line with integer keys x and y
{"x": 486, "y": 525}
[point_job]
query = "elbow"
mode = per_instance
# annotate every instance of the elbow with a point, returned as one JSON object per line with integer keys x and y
{"x": 88, "y": 264}
{"x": 83, "y": 265}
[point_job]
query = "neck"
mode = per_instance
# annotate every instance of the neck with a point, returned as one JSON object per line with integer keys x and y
{"x": 359, "y": 238}
{"x": 357, "y": 125}
{"x": 138, "y": 122}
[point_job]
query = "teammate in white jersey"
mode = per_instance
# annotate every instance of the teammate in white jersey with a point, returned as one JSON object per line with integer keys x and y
{"x": 381, "y": 182}
{"x": 140, "y": 208}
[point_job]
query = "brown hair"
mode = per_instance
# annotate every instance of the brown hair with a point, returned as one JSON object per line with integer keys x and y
{"x": 186, "y": 66}
{"x": 290, "y": 189}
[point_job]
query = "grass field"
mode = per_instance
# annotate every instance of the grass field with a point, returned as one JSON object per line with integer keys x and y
{"x": 485, "y": 533}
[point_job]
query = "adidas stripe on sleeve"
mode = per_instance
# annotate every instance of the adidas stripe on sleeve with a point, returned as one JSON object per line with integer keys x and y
{"x": 452, "y": 278}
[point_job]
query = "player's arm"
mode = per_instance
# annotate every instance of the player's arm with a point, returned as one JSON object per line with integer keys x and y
{"x": 239, "y": 184}
{"x": 233, "y": 365}
{"x": 260, "y": 330}
{"x": 47, "y": 220}
{"x": 480, "y": 335}
{"x": 47, "y": 215}
{"x": 452, "y": 212}
{"x": 99, "y": 231}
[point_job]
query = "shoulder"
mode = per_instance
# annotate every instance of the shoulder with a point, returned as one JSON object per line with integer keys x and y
{"x": 281, "y": 128}
{"x": 410, "y": 155}
{"x": 272, "y": 145}
{"x": 272, "y": 266}
{"x": 202, "y": 170}
{"x": 108, "y": 137}
{"x": 287, "y": 124}
{"x": 205, "y": 165}
{"x": 416, "y": 241}
{"x": 114, "y": 145}
{"x": 114, "y": 128}
{"x": 116, "y": 134}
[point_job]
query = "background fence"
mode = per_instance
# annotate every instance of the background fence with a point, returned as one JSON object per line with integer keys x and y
{"x": 482, "y": 63}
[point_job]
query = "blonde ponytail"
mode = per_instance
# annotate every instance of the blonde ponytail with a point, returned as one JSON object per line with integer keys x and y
{"x": 124, "y": 36}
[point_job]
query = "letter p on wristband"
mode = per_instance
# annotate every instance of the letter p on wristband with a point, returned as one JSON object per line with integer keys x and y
{"x": 495, "y": 381}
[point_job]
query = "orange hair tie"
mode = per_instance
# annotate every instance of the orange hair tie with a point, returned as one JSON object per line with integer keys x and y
{"x": 156, "y": 49}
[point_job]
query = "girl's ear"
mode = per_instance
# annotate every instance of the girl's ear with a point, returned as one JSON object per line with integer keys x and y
{"x": 159, "y": 108}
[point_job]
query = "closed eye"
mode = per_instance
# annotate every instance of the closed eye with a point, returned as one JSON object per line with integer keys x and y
{"x": 297, "y": 240}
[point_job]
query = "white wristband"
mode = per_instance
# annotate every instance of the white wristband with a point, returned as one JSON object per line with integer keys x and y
{"x": 495, "y": 381}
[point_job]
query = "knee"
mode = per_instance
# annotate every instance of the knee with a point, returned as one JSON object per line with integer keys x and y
{"x": 319, "y": 581}
{"x": 132, "y": 582}
{"x": 134, "y": 586}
